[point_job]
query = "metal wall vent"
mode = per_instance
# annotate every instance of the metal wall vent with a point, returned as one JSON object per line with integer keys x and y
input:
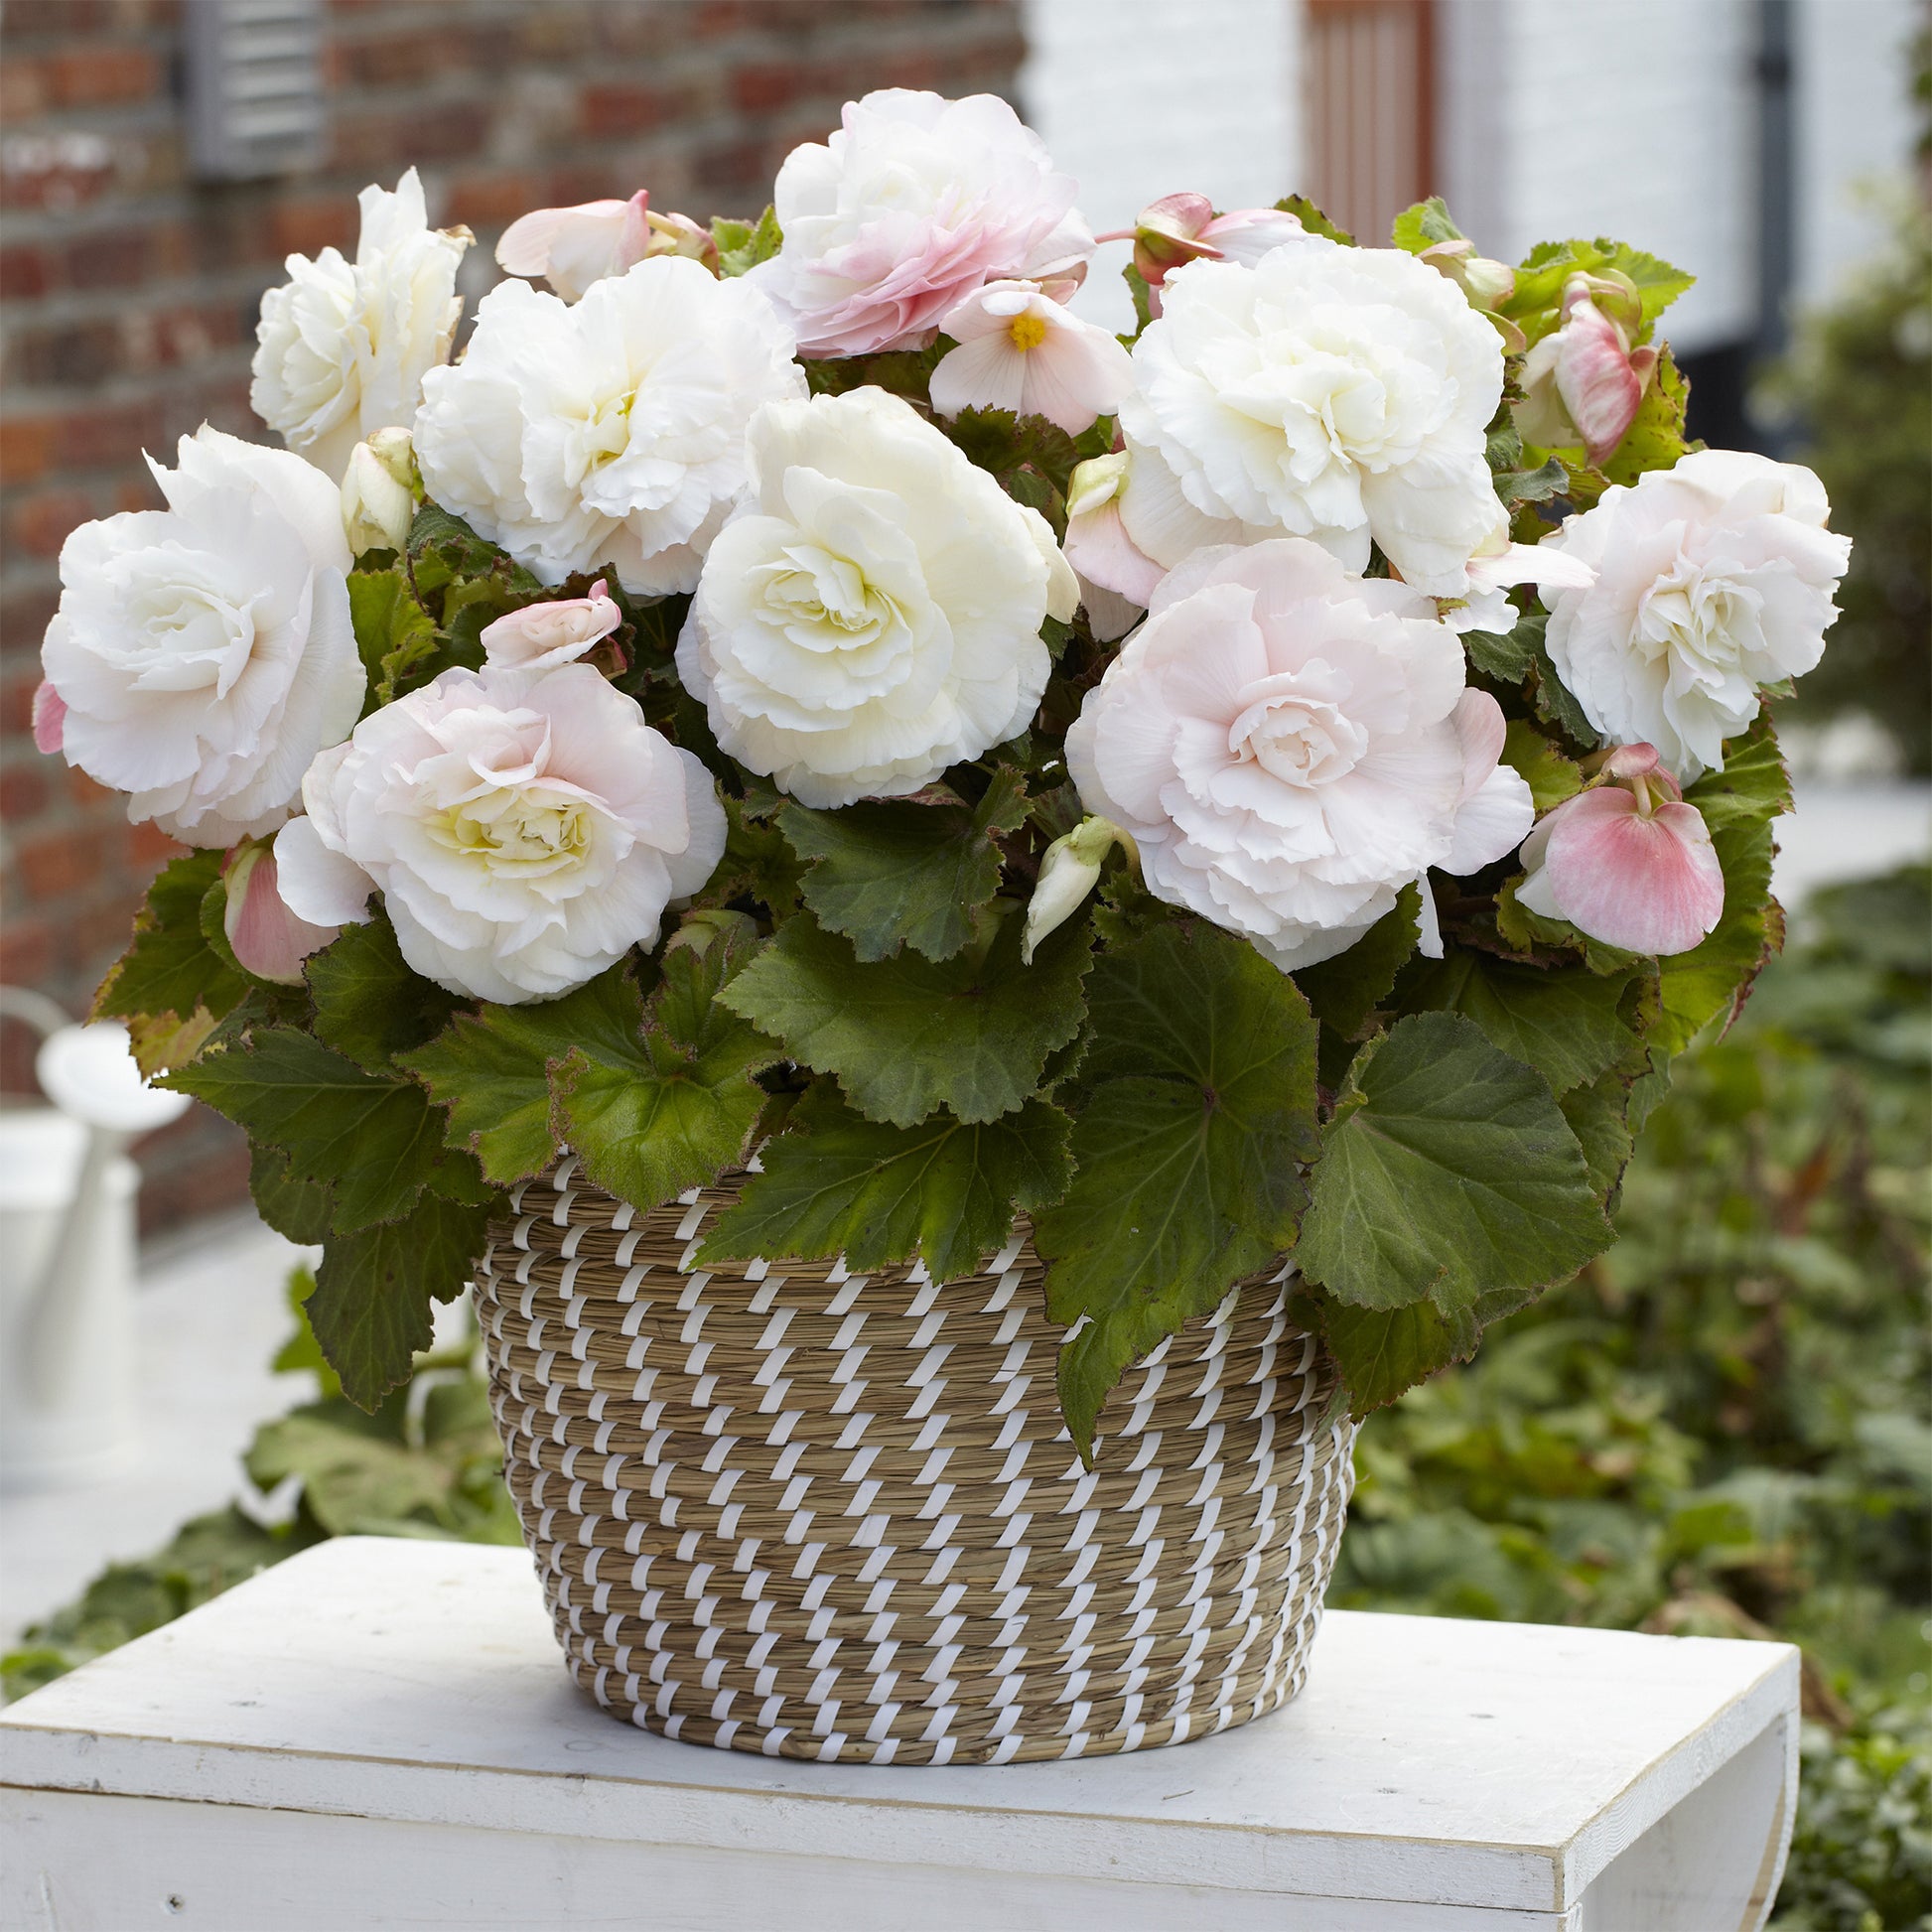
{"x": 254, "y": 87}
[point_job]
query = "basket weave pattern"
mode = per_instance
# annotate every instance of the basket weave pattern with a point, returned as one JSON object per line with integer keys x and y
{"x": 790, "y": 1509}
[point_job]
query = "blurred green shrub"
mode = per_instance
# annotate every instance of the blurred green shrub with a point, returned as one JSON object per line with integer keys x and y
{"x": 1860, "y": 380}
{"x": 427, "y": 1462}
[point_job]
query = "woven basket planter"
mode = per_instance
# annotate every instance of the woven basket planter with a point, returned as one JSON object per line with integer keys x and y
{"x": 789, "y": 1509}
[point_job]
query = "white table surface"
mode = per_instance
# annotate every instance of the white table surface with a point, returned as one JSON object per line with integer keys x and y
{"x": 382, "y": 1732}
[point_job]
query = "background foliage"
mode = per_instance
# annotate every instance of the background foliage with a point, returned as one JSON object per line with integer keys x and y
{"x": 1722, "y": 1427}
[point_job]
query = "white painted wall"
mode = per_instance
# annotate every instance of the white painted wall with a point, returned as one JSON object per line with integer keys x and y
{"x": 1632, "y": 118}
{"x": 1855, "y": 131}
{"x": 1139, "y": 99}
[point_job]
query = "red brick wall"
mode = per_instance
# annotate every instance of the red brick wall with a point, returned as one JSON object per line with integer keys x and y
{"x": 128, "y": 296}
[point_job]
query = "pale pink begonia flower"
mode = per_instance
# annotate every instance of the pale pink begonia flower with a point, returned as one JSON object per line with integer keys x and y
{"x": 1020, "y": 350}
{"x": 50, "y": 717}
{"x": 525, "y": 832}
{"x": 1583, "y": 382}
{"x": 1117, "y": 579}
{"x": 1289, "y": 746}
{"x": 1627, "y": 861}
{"x": 267, "y": 937}
{"x": 540, "y": 637}
{"x": 911, "y": 205}
{"x": 572, "y": 247}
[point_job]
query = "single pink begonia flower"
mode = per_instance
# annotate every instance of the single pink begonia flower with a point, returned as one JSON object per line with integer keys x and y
{"x": 1627, "y": 861}
{"x": 1583, "y": 382}
{"x": 50, "y": 717}
{"x": 1020, "y": 350}
{"x": 540, "y": 637}
{"x": 267, "y": 938}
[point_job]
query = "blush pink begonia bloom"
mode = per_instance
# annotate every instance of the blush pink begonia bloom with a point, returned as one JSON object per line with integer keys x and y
{"x": 540, "y": 637}
{"x": 1627, "y": 861}
{"x": 267, "y": 938}
{"x": 911, "y": 205}
{"x": 1020, "y": 350}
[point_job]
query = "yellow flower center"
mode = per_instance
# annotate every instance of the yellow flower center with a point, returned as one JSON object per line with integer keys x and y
{"x": 1027, "y": 331}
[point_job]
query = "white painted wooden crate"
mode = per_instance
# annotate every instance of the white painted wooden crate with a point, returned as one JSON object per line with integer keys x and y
{"x": 381, "y": 1734}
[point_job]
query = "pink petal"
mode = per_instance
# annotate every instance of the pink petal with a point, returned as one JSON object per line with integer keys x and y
{"x": 1594, "y": 378}
{"x": 50, "y": 717}
{"x": 1478, "y": 720}
{"x": 1098, "y": 547}
{"x": 268, "y": 939}
{"x": 1647, "y": 884}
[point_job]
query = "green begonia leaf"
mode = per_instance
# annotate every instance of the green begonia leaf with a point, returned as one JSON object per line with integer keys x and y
{"x": 1448, "y": 1173}
{"x": 835, "y": 1182}
{"x": 890, "y": 875}
{"x": 369, "y": 1003}
{"x": 171, "y": 973}
{"x": 1739, "y": 805}
{"x": 1383, "y": 1351}
{"x": 1422, "y": 226}
{"x": 1342, "y": 992}
{"x": 371, "y": 1309}
{"x": 393, "y": 633}
{"x": 1599, "y": 1116}
{"x": 1313, "y": 219}
{"x": 1565, "y": 1023}
{"x": 302, "y": 1211}
{"x": 1195, "y": 1112}
{"x": 373, "y": 1140}
{"x": 908, "y": 1036}
{"x": 492, "y": 1070}
{"x": 1549, "y": 264}
{"x": 666, "y": 1100}
{"x": 759, "y": 863}
{"x": 1551, "y": 776}
{"x": 743, "y": 245}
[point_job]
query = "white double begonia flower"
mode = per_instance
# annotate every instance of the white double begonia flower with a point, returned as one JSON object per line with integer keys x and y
{"x": 872, "y": 615}
{"x": 525, "y": 832}
{"x": 912, "y": 204}
{"x": 1289, "y": 746}
{"x": 204, "y": 653}
{"x": 342, "y": 348}
{"x": 1712, "y": 578}
{"x": 611, "y": 431}
{"x": 1335, "y": 393}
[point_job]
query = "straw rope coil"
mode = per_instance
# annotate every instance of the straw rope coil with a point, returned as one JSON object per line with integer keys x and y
{"x": 786, "y": 1508}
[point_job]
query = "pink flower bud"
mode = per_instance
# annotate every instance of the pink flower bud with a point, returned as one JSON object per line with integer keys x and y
{"x": 1627, "y": 861}
{"x": 1117, "y": 581}
{"x": 266, "y": 937}
{"x": 50, "y": 717}
{"x": 572, "y": 247}
{"x": 678, "y": 234}
{"x": 541, "y": 636}
{"x": 1584, "y": 383}
{"x": 1486, "y": 283}
{"x": 1180, "y": 228}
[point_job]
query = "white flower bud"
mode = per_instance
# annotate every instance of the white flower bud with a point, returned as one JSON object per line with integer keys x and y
{"x": 377, "y": 508}
{"x": 1068, "y": 872}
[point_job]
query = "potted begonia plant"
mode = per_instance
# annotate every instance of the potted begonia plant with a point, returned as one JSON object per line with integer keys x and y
{"x": 979, "y": 935}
